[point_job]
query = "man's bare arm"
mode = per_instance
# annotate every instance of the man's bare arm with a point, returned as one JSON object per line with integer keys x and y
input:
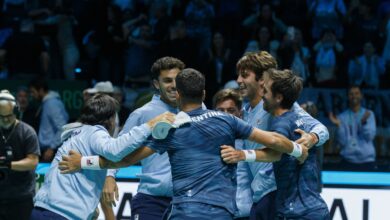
{"x": 231, "y": 155}
{"x": 272, "y": 140}
{"x": 72, "y": 162}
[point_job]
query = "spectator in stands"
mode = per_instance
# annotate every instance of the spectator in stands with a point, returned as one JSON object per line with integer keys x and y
{"x": 252, "y": 47}
{"x": 266, "y": 41}
{"x": 160, "y": 20}
{"x": 327, "y": 14}
{"x": 199, "y": 15}
{"x": 53, "y": 117}
{"x": 185, "y": 48}
{"x": 27, "y": 112}
{"x": 265, "y": 17}
{"x": 364, "y": 21}
{"x": 294, "y": 13}
{"x": 140, "y": 53}
{"x": 327, "y": 50}
{"x": 219, "y": 65}
{"x": 293, "y": 54}
{"x": 112, "y": 44}
{"x": 25, "y": 53}
{"x": 356, "y": 133}
{"x": 366, "y": 69}
{"x": 17, "y": 176}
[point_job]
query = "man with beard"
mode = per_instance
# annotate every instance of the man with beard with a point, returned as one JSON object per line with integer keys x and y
{"x": 250, "y": 70}
{"x": 17, "y": 176}
{"x": 297, "y": 196}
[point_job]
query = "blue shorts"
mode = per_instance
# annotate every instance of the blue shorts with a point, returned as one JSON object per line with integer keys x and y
{"x": 319, "y": 214}
{"x": 264, "y": 209}
{"x": 197, "y": 211}
{"x": 39, "y": 213}
{"x": 148, "y": 207}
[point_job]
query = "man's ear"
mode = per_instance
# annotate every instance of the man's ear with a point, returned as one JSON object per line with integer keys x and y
{"x": 204, "y": 95}
{"x": 156, "y": 84}
{"x": 279, "y": 98}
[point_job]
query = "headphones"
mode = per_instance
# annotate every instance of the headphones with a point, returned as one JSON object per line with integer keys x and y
{"x": 5, "y": 95}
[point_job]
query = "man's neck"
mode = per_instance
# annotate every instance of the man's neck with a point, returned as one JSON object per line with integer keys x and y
{"x": 256, "y": 100}
{"x": 190, "y": 106}
{"x": 279, "y": 111}
{"x": 168, "y": 103}
{"x": 355, "y": 108}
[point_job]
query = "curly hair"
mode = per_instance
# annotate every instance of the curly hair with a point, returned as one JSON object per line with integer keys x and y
{"x": 166, "y": 63}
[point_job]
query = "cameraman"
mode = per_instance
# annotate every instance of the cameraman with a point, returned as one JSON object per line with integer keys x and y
{"x": 19, "y": 152}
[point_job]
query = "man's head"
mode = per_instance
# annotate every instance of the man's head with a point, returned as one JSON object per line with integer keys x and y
{"x": 229, "y": 101}
{"x": 38, "y": 88}
{"x": 250, "y": 70}
{"x": 355, "y": 96}
{"x": 100, "y": 109}
{"x": 7, "y": 105}
{"x": 190, "y": 85}
{"x": 164, "y": 72}
{"x": 281, "y": 89}
{"x": 22, "y": 97}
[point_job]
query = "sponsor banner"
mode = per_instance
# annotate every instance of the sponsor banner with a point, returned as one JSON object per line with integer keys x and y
{"x": 343, "y": 203}
{"x": 357, "y": 204}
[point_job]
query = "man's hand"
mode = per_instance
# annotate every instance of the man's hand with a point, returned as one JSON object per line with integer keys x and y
{"x": 110, "y": 191}
{"x": 48, "y": 155}
{"x": 365, "y": 117}
{"x": 307, "y": 139}
{"x": 305, "y": 154}
{"x": 334, "y": 119}
{"x": 71, "y": 163}
{"x": 231, "y": 155}
{"x": 167, "y": 117}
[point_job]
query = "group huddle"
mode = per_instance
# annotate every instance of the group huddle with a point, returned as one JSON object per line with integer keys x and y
{"x": 255, "y": 161}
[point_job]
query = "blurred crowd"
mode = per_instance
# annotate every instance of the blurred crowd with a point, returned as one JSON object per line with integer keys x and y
{"x": 329, "y": 43}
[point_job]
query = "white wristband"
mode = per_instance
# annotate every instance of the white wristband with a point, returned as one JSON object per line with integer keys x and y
{"x": 90, "y": 163}
{"x": 250, "y": 155}
{"x": 297, "y": 150}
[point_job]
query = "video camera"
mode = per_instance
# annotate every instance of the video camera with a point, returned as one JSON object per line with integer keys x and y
{"x": 6, "y": 156}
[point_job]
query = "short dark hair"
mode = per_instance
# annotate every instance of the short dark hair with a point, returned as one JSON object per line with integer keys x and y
{"x": 98, "y": 110}
{"x": 226, "y": 94}
{"x": 190, "y": 84}
{"x": 39, "y": 83}
{"x": 353, "y": 86}
{"x": 165, "y": 63}
{"x": 286, "y": 83}
{"x": 258, "y": 62}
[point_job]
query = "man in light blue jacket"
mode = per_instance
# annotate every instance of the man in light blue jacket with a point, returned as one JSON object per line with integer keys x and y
{"x": 53, "y": 117}
{"x": 356, "y": 130}
{"x": 76, "y": 196}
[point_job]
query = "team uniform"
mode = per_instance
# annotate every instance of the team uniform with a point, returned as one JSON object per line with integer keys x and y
{"x": 260, "y": 175}
{"x": 297, "y": 196}
{"x": 155, "y": 186}
{"x": 204, "y": 186}
{"x": 76, "y": 196}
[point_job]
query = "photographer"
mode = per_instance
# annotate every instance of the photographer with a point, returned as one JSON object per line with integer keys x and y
{"x": 19, "y": 152}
